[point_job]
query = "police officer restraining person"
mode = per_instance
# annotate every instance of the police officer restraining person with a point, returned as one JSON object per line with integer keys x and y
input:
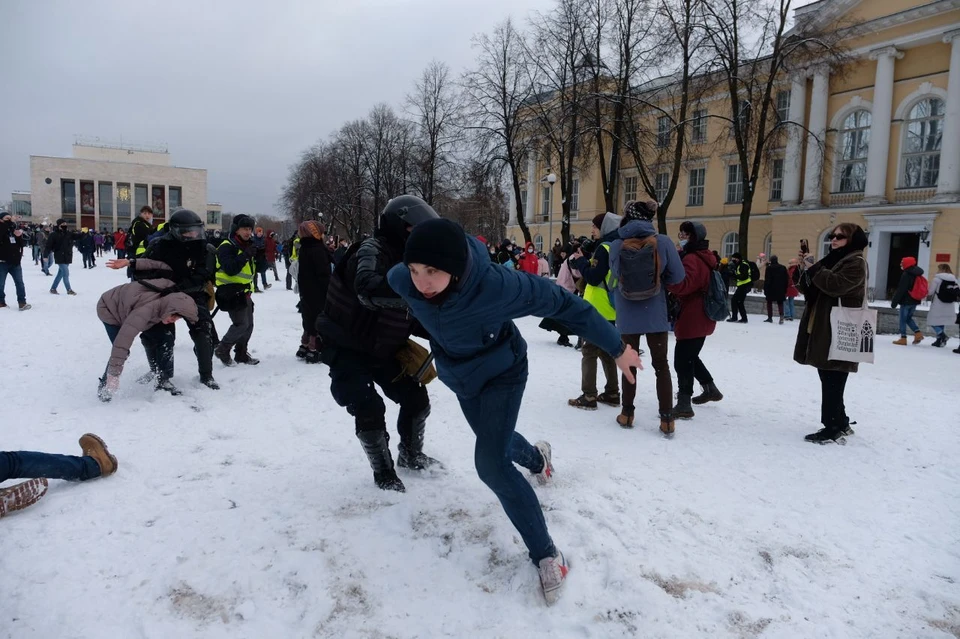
{"x": 183, "y": 247}
{"x": 364, "y": 326}
{"x": 236, "y": 269}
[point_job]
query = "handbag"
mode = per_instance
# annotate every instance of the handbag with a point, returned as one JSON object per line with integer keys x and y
{"x": 852, "y": 331}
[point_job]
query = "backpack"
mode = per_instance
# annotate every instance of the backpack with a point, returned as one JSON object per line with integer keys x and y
{"x": 920, "y": 288}
{"x": 715, "y": 296}
{"x": 949, "y": 292}
{"x": 754, "y": 272}
{"x": 639, "y": 269}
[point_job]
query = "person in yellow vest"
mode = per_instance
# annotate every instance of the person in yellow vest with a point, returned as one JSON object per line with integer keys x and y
{"x": 235, "y": 271}
{"x": 596, "y": 273}
{"x": 140, "y": 230}
{"x": 744, "y": 281}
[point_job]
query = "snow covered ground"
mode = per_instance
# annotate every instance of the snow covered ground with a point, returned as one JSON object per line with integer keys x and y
{"x": 251, "y": 512}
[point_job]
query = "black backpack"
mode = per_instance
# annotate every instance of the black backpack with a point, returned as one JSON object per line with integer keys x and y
{"x": 949, "y": 292}
{"x": 754, "y": 272}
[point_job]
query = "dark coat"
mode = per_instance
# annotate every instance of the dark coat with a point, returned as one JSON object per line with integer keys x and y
{"x": 60, "y": 243}
{"x": 776, "y": 282}
{"x": 140, "y": 230}
{"x": 902, "y": 296}
{"x": 313, "y": 278}
{"x": 192, "y": 265}
{"x": 846, "y": 282}
{"x": 693, "y": 321}
{"x": 11, "y": 246}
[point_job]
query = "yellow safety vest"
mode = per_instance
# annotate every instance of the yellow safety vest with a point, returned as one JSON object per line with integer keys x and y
{"x": 295, "y": 251}
{"x": 244, "y": 277}
{"x": 749, "y": 277}
{"x": 599, "y": 297}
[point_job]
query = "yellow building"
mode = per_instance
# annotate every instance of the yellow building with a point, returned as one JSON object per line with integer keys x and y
{"x": 891, "y": 121}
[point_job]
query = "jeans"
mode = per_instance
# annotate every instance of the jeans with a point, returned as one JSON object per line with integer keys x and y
{"x": 493, "y": 417}
{"x": 938, "y": 330}
{"x": 121, "y": 253}
{"x": 263, "y": 278}
{"x": 833, "y": 413}
{"x": 63, "y": 272}
{"x": 686, "y": 360}
{"x": 906, "y": 319}
{"x": 272, "y": 266}
{"x": 657, "y": 343}
{"x": 789, "y": 308}
{"x": 588, "y": 370}
{"x": 16, "y": 272}
{"x": 739, "y": 303}
{"x": 46, "y": 263}
{"x": 35, "y": 251}
{"x": 28, "y": 465}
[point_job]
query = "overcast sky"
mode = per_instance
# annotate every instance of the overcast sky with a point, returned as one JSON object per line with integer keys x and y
{"x": 238, "y": 87}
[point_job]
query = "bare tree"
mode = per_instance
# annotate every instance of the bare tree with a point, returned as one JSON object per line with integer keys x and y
{"x": 436, "y": 106}
{"x": 496, "y": 92}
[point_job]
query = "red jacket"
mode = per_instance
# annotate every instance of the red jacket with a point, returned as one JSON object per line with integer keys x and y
{"x": 693, "y": 321}
{"x": 271, "y": 247}
{"x": 791, "y": 287}
{"x": 120, "y": 240}
{"x": 529, "y": 262}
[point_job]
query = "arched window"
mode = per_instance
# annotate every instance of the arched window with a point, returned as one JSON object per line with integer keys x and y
{"x": 731, "y": 244}
{"x": 825, "y": 243}
{"x": 923, "y": 130}
{"x": 538, "y": 243}
{"x": 852, "y": 152}
{"x": 768, "y": 245}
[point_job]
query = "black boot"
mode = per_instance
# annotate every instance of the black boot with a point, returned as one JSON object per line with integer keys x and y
{"x": 210, "y": 383}
{"x": 312, "y": 357}
{"x": 710, "y": 394}
{"x": 167, "y": 385}
{"x": 243, "y": 356}
{"x": 825, "y": 436}
{"x": 411, "y": 448}
{"x": 302, "y": 351}
{"x": 223, "y": 354}
{"x": 683, "y": 409}
{"x": 376, "y": 445}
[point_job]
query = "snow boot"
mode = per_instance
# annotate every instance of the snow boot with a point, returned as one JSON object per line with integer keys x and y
{"x": 19, "y": 496}
{"x": 167, "y": 385}
{"x": 625, "y": 421}
{"x": 825, "y": 436}
{"x": 553, "y": 572}
{"x": 25, "y": 307}
{"x": 546, "y": 452}
{"x": 710, "y": 394}
{"x": 564, "y": 340}
{"x": 900, "y": 342}
{"x": 312, "y": 357}
{"x": 940, "y": 342}
{"x": 243, "y": 356}
{"x": 610, "y": 399}
{"x": 584, "y": 402}
{"x": 376, "y": 444}
{"x": 210, "y": 383}
{"x": 957, "y": 350}
{"x": 667, "y": 426}
{"x": 917, "y": 337}
{"x": 95, "y": 447}
{"x": 769, "y": 320}
{"x": 781, "y": 321}
{"x": 302, "y": 351}
{"x": 223, "y": 354}
{"x": 410, "y": 453}
{"x": 683, "y": 409}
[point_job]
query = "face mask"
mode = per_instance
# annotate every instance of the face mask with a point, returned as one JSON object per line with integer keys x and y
{"x": 683, "y": 243}
{"x": 529, "y": 250}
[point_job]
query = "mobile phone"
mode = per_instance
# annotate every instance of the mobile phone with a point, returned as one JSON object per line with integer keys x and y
{"x": 804, "y": 246}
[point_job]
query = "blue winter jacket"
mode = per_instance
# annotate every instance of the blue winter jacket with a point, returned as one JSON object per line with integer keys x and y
{"x": 646, "y": 316}
{"x": 473, "y": 337}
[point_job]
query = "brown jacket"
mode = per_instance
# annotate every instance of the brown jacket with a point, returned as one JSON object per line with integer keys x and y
{"x": 135, "y": 308}
{"x": 845, "y": 281}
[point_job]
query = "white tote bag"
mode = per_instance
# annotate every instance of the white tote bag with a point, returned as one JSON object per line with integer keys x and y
{"x": 852, "y": 332}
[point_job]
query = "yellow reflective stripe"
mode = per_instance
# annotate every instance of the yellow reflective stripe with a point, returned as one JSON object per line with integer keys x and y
{"x": 599, "y": 297}
{"x": 244, "y": 278}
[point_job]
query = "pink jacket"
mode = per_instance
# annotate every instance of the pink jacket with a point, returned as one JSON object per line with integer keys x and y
{"x": 565, "y": 278}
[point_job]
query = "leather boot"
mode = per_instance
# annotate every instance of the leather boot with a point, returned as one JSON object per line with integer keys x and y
{"x": 411, "y": 454}
{"x": 376, "y": 444}
{"x": 710, "y": 394}
{"x": 667, "y": 424}
{"x": 917, "y": 337}
{"x": 683, "y": 409}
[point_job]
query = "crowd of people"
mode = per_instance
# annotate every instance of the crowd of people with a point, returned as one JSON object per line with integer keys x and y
{"x": 419, "y": 275}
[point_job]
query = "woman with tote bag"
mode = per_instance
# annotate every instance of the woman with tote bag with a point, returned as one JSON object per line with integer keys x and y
{"x": 838, "y": 280}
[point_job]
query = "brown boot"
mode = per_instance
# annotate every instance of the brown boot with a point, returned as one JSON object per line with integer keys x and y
{"x": 625, "y": 421}
{"x": 22, "y": 495}
{"x": 917, "y": 337}
{"x": 666, "y": 425}
{"x": 95, "y": 447}
{"x": 900, "y": 342}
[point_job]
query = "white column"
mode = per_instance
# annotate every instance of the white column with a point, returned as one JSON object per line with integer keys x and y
{"x": 533, "y": 186}
{"x": 878, "y": 153}
{"x": 114, "y": 191}
{"x": 793, "y": 166}
{"x": 813, "y": 175}
{"x": 948, "y": 186}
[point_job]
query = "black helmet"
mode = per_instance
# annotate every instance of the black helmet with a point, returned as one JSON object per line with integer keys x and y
{"x": 411, "y": 209}
{"x": 186, "y": 226}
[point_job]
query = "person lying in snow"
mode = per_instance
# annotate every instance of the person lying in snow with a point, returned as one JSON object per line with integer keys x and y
{"x": 130, "y": 309}
{"x": 467, "y": 303}
{"x": 96, "y": 462}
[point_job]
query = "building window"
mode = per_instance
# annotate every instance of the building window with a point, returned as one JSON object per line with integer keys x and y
{"x": 921, "y": 145}
{"x": 661, "y": 186}
{"x": 664, "y": 126}
{"x": 141, "y": 198}
{"x": 731, "y": 244}
{"x": 213, "y": 218}
{"x": 538, "y": 243}
{"x": 86, "y": 198}
{"x": 743, "y": 119}
{"x": 123, "y": 203}
{"x": 768, "y": 245}
{"x": 699, "y": 131}
{"x": 545, "y": 203}
{"x": 783, "y": 105}
{"x": 629, "y": 188}
{"x": 698, "y": 178}
{"x": 852, "y": 160}
{"x": 734, "y": 184}
{"x": 105, "y": 194}
{"x": 575, "y": 196}
{"x": 21, "y": 208}
{"x": 825, "y": 246}
{"x": 776, "y": 180}
{"x": 158, "y": 201}
{"x": 68, "y": 197}
{"x": 176, "y": 198}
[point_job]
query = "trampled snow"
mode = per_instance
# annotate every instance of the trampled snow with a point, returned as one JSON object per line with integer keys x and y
{"x": 251, "y": 511}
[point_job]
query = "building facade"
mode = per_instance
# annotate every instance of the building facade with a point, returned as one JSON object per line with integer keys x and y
{"x": 104, "y": 186}
{"x": 890, "y": 119}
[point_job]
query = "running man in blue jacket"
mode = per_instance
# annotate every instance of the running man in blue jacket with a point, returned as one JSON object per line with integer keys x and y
{"x": 467, "y": 304}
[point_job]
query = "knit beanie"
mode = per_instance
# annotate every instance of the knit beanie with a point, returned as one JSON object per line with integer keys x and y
{"x": 311, "y": 228}
{"x": 598, "y": 220}
{"x": 640, "y": 210}
{"x": 439, "y": 243}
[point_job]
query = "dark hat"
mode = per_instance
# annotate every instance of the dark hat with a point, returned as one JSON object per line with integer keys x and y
{"x": 4, "y": 214}
{"x": 598, "y": 220}
{"x": 736, "y": 256}
{"x": 61, "y": 222}
{"x": 438, "y": 243}
{"x": 243, "y": 221}
{"x": 640, "y": 210}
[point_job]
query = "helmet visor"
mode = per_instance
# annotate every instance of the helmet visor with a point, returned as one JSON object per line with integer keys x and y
{"x": 188, "y": 233}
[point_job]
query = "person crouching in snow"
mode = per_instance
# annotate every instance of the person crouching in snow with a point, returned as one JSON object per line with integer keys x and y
{"x": 467, "y": 304}
{"x": 130, "y": 309}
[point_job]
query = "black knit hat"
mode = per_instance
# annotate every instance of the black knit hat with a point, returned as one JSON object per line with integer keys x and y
{"x": 640, "y": 210}
{"x": 438, "y": 243}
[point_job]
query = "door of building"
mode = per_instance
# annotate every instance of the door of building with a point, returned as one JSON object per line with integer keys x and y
{"x": 901, "y": 245}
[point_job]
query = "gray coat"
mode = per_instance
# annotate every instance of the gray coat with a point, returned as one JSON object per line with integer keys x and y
{"x": 941, "y": 313}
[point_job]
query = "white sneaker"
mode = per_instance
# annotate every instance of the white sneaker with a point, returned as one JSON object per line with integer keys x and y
{"x": 547, "y": 452}
{"x": 553, "y": 572}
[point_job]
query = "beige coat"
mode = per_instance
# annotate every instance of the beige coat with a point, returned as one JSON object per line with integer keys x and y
{"x": 135, "y": 308}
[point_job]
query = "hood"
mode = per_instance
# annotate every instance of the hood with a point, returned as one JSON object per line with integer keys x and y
{"x": 637, "y": 228}
{"x": 947, "y": 277}
{"x": 526, "y": 247}
{"x": 611, "y": 222}
{"x": 914, "y": 270}
{"x": 907, "y": 262}
{"x": 179, "y": 304}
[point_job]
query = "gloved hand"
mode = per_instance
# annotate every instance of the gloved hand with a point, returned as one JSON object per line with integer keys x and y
{"x": 250, "y": 252}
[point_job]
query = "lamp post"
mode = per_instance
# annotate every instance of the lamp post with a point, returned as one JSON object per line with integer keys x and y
{"x": 551, "y": 179}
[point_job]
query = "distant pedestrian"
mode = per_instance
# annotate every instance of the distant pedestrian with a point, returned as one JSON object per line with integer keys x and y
{"x": 12, "y": 241}
{"x": 775, "y": 284}
{"x": 910, "y": 292}
{"x": 944, "y": 292}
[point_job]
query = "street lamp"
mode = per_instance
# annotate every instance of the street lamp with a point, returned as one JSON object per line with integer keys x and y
{"x": 551, "y": 179}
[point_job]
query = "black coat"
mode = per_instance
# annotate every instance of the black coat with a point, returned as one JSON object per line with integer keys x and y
{"x": 11, "y": 246}
{"x": 193, "y": 263}
{"x": 60, "y": 243}
{"x": 902, "y": 296}
{"x": 313, "y": 278}
{"x": 775, "y": 283}
{"x": 140, "y": 230}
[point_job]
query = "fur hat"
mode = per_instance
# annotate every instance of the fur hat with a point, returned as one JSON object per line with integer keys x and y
{"x": 311, "y": 228}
